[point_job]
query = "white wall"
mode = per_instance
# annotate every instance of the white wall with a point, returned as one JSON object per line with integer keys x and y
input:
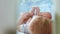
{"x": 7, "y": 13}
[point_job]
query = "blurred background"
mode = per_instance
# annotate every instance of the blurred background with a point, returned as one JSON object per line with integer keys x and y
{"x": 8, "y": 16}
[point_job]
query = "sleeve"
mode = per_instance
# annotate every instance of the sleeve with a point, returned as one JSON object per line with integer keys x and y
{"x": 23, "y": 28}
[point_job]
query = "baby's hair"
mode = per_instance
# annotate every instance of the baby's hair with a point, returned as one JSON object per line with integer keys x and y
{"x": 40, "y": 25}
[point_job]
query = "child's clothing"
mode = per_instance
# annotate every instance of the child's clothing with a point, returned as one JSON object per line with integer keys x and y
{"x": 23, "y": 28}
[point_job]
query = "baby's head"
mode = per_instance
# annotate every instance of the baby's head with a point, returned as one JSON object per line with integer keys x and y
{"x": 46, "y": 14}
{"x": 40, "y": 25}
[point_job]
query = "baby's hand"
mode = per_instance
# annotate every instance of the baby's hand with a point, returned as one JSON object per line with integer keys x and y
{"x": 43, "y": 14}
{"x": 25, "y": 16}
